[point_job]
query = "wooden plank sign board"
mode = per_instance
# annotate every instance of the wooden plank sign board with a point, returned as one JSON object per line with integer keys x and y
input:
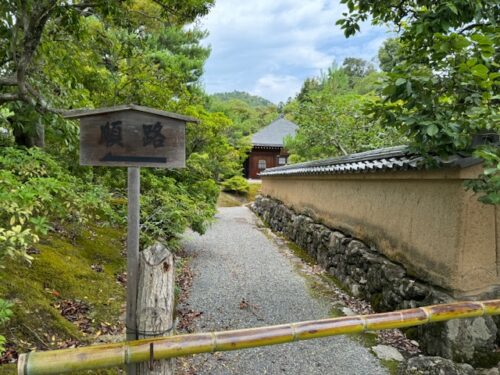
{"x": 132, "y": 136}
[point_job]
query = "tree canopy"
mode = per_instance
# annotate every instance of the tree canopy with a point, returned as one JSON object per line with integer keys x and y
{"x": 444, "y": 89}
{"x": 72, "y": 54}
{"x": 329, "y": 112}
{"x": 248, "y": 114}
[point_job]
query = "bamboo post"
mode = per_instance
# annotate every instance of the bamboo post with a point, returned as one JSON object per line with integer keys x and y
{"x": 112, "y": 355}
{"x": 134, "y": 190}
{"x": 155, "y": 303}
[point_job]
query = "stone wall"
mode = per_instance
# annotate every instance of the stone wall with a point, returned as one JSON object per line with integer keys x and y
{"x": 424, "y": 220}
{"x": 369, "y": 274}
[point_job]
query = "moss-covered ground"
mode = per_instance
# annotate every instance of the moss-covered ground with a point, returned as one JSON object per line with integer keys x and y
{"x": 233, "y": 200}
{"x": 62, "y": 270}
{"x": 228, "y": 200}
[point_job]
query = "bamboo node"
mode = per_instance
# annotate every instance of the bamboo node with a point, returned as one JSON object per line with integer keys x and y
{"x": 214, "y": 341}
{"x": 22, "y": 364}
{"x": 483, "y": 309}
{"x": 294, "y": 332}
{"x": 428, "y": 314}
{"x": 126, "y": 355}
{"x": 365, "y": 322}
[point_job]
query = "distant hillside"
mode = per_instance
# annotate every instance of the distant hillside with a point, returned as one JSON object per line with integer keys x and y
{"x": 251, "y": 100}
{"x": 248, "y": 113}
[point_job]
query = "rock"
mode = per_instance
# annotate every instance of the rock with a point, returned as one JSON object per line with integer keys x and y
{"x": 464, "y": 340}
{"x": 393, "y": 272}
{"x": 490, "y": 371}
{"x": 387, "y": 353}
{"x": 335, "y": 242}
{"x": 347, "y": 311}
{"x": 355, "y": 290}
{"x": 434, "y": 366}
{"x": 368, "y": 273}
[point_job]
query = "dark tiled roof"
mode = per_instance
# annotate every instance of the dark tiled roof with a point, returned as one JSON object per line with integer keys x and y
{"x": 397, "y": 158}
{"x": 274, "y": 133}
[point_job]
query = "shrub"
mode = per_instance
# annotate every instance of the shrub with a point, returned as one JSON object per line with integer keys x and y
{"x": 5, "y": 314}
{"x": 236, "y": 184}
{"x": 36, "y": 191}
{"x": 169, "y": 206}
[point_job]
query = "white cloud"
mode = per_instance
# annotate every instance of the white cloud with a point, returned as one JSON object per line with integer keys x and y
{"x": 255, "y": 43}
{"x": 276, "y": 88}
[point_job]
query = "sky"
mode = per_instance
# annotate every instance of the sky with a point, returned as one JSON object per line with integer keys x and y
{"x": 269, "y": 47}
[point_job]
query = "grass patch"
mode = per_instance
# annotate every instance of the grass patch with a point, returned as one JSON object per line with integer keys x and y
{"x": 391, "y": 366}
{"x": 228, "y": 200}
{"x": 254, "y": 190}
{"x": 301, "y": 253}
{"x": 62, "y": 270}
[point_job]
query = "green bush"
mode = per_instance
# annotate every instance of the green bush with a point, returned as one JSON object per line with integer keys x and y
{"x": 169, "y": 206}
{"x": 236, "y": 184}
{"x": 36, "y": 192}
{"x": 5, "y": 314}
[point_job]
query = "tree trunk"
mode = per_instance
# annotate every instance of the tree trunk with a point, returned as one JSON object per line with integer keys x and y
{"x": 155, "y": 303}
{"x": 39, "y": 135}
{"x": 30, "y": 136}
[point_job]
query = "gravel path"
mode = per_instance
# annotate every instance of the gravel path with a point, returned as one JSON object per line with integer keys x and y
{"x": 235, "y": 260}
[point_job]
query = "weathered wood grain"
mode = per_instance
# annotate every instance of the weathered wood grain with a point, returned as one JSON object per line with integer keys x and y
{"x": 130, "y": 148}
{"x": 133, "y": 217}
{"x": 155, "y": 302}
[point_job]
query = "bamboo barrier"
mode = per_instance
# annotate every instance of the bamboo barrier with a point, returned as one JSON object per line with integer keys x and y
{"x": 112, "y": 355}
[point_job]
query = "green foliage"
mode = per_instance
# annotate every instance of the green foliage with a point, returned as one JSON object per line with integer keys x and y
{"x": 116, "y": 52}
{"x": 236, "y": 184}
{"x": 6, "y": 138}
{"x": 209, "y": 140}
{"x": 252, "y": 100}
{"x": 5, "y": 314}
{"x": 331, "y": 120}
{"x": 389, "y": 55}
{"x": 34, "y": 191}
{"x": 445, "y": 86}
{"x": 489, "y": 182}
{"x": 356, "y": 68}
{"x": 248, "y": 114}
{"x": 63, "y": 271}
{"x": 170, "y": 206}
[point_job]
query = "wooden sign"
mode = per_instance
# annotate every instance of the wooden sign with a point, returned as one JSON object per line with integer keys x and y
{"x": 132, "y": 136}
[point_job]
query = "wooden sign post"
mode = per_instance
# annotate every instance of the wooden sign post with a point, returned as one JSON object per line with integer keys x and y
{"x": 132, "y": 136}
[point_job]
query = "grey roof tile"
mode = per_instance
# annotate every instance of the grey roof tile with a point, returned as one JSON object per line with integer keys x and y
{"x": 274, "y": 133}
{"x": 398, "y": 158}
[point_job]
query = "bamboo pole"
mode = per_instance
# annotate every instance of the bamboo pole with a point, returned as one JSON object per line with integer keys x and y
{"x": 112, "y": 355}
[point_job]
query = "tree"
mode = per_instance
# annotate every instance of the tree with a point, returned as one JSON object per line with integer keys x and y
{"x": 309, "y": 86}
{"x": 445, "y": 88}
{"x": 356, "y": 68}
{"x": 389, "y": 55}
{"x": 331, "y": 120}
{"x": 28, "y": 26}
{"x": 248, "y": 114}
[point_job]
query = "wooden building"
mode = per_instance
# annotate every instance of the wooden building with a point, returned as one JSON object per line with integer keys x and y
{"x": 267, "y": 147}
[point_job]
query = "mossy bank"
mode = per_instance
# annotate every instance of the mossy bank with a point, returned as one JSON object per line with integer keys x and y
{"x": 82, "y": 269}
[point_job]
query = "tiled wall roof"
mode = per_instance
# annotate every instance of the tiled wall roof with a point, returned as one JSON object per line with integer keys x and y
{"x": 398, "y": 158}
